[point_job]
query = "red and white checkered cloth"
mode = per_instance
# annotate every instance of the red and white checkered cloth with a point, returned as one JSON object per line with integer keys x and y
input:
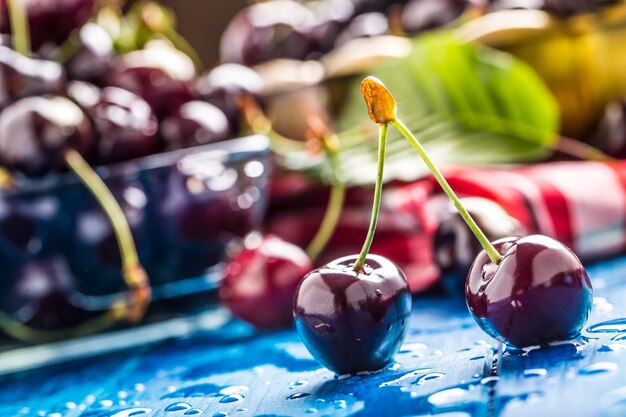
{"x": 582, "y": 204}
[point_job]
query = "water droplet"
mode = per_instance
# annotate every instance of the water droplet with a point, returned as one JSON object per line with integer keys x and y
{"x": 179, "y": 406}
{"x": 611, "y": 326}
{"x": 431, "y": 376}
{"x": 193, "y": 411}
{"x": 339, "y": 404}
{"x": 311, "y": 410}
{"x": 413, "y": 347}
{"x": 298, "y": 395}
{"x": 220, "y": 414}
{"x": 70, "y": 405}
{"x": 320, "y": 401}
{"x": 106, "y": 403}
{"x": 234, "y": 389}
{"x": 598, "y": 368}
{"x": 475, "y": 358}
{"x": 379, "y": 293}
{"x": 231, "y": 398}
{"x": 447, "y": 396}
{"x": 131, "y": 412}
{"x": 140, "y": 387}
{"x": 535, "y": 373}
{"x": 298, "y": 383}
{"x": 489, "y": 381}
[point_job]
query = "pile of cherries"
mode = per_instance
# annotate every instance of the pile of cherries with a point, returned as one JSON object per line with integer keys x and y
{"x": 72, "y": 91}
{"x": 308, "y": 29}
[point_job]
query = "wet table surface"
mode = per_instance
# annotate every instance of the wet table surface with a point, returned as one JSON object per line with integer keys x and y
{"x": 447, "y": 366}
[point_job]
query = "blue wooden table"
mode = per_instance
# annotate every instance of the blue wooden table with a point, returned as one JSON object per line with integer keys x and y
{"x": 214, "y": 366}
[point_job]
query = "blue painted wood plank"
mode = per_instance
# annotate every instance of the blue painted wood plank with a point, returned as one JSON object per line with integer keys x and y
{"x": 446, "y": 367}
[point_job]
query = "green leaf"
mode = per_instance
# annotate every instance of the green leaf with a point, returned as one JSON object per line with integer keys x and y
{"x": 466, "y": 103}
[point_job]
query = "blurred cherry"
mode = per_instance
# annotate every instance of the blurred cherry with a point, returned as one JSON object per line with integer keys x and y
{"x": 195, "y": 123}
{"x": 93, "y": 57}
{"x": 261, "y": 281}
{"x": 124, "y": 123}
{"x": 50, "y": 21}
{"x": 35, "y": 131}
{"x": 364, "y": 26}
{"x": 263, "y": 31}
{"x": 160, "y": 75}
{"x": 22, "y": 76}
{"x": 224, "y": 86}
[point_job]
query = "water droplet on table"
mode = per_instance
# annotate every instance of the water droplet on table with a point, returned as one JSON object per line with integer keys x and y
{"x": 598, "y": 368}
{"x": 298, "y": 395}
{"x": 179, "y": 406}
{"x": 611, "y": 326}
{"x": 535, "y": 373}
{"x": 131, "y": 412}
{"x": 431, "y": 376}
{"x": 220, "y": 414}
{"x": 193, "y": 411}
{"x": 106, "y": 403}
{"x": 311, "y": 410}
{"x": 234, "y": 389}
{"x": 231, "y": 398}
{"x": 447, "y": 396}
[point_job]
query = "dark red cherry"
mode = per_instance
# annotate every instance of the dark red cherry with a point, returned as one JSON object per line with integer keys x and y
{"x": 224, "y": 86}
{"x": 159, "y": 74}
{"x": 50, "y": 21}
{"x": 93, "y": 252}
{"x": 264, "y": 31}
{"x": 22, "y": 76}
{"x": 123, "y": 122}
{"x": 538, "y": 294}
{"x": 421, "y": 15}
{"x": 456, "y": 247}
{"x": 332, "y": 16}
{"x": 202, "y": 205}
{"x": 353, "y": 322}
{"x": 42, "y": 294}
{"x": 93, "y": 57}
{"x": 35, "y": 131}
{"x": 30, "y": 225}
{"x": 364, "y": 26}
{"x": 261, "y": 281}
{"x": 195, "y": 123}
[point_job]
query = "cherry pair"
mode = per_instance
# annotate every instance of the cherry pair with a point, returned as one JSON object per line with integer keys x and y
{"x": 352, "y": 313}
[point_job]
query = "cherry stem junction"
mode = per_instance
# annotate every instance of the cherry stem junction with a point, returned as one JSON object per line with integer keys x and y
{"x": 382, "y": 146}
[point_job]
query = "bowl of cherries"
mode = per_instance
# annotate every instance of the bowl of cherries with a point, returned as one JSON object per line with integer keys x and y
{"x": 125, "y": 170}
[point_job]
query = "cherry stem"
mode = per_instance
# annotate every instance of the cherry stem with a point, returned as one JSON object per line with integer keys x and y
{"x": 132, "y": 271}
{"x": 333, "y": 209}
{"x": 382, "y": 146}
{"x": 19, "y": 26}
{"x": 484, "y": 242}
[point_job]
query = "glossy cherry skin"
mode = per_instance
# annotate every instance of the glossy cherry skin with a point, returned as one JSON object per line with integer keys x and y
{"x": 159, "y": 74}
{"x": 456, "y": 247}
{"x": 538, "y": 294}
{"x": 353, "y": 322}
{"x": 264, "y": 31}
{"x": 124, "y": 123}
{"x": 224, "y": 87}
{"x": 41, "y": 293}
{"x": 50, "y": 21}
{"x": 421, "y": 15}
{"x": 22, "y": 76}
{"x": 195, "y": 123}
{"x": 94, "y": 55}
{"x": 261, "y": 280}
{"x": 364, "y": 26}
{"x": 35, "y": 131}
